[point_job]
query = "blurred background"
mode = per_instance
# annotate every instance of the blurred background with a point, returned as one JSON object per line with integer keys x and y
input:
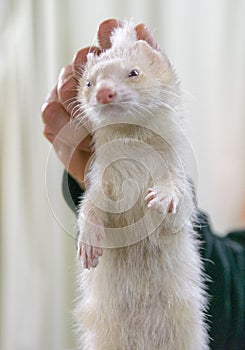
{"x": 204, "y": 39}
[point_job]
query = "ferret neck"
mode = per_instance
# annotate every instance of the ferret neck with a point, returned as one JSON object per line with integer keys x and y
{"x": 118, "y": 131}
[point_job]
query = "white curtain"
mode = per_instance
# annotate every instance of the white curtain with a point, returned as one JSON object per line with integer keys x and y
{"x": 204, "y": 39}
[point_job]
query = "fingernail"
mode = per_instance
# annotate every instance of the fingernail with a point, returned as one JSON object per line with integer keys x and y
{"x": 65, "y": 72}
{"x": 62, "y": 72}
{"x": 44, "y": 105}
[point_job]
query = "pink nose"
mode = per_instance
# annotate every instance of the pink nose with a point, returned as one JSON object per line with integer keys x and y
{"x": 105, "y": 96}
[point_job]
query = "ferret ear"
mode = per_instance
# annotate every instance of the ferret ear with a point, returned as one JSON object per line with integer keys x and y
{"x": 156, "y": 56}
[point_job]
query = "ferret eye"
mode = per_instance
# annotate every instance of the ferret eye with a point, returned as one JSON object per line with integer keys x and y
{"x": 89, "y": 83}
{"x": 134, "y": 73}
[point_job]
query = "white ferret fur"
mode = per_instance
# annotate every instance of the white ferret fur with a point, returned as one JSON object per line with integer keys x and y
{"x": 140, "y": 278}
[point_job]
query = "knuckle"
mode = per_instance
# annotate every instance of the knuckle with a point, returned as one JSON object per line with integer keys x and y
{"x": 48, "y": 135}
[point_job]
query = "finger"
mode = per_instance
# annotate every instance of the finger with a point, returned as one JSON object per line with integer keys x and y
{"x": 53, "y": 94}
{"x": 80, "y": 59}
{"x": 54, "y": 117}
{"x": 57, "y": 128}
{"x": 104, "y": 32}
{"x": 143, "y": 33}
{"x": 77, "y": 165}
{"x": 65, "y": 72}
{"x": 67, "y": 94}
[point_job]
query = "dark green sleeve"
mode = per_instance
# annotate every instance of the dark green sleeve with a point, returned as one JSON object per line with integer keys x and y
{"x": 224, "y": 263}
{"x": 72, "y": 192}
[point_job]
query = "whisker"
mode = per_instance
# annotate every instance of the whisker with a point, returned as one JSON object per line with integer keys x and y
{"x": 70, "y": 100}
{"x": 79, "y": 69}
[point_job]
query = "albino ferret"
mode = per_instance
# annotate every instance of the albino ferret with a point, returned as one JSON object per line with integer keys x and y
{"x": 141, "y": 280}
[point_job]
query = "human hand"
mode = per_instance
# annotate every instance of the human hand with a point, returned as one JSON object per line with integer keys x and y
{"x": 72, "y": 142}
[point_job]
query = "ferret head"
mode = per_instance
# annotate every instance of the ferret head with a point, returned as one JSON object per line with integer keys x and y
{"x": 128, "y": 82}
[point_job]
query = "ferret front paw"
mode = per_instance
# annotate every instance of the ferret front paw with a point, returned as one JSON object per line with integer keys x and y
{"x": 162, "y": 200}
{"x": 89, "y": 255}
{"x": 89, "y": 245}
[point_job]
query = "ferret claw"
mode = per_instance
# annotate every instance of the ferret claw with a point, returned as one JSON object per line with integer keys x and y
{"x": 90, "y": 252}
{"x": 88, "y": 255}
{"x": 162, "y": 201}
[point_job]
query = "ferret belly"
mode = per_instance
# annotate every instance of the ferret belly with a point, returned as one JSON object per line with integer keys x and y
{"x": 123, "y": 185}
{"x": 146, "y": 296}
